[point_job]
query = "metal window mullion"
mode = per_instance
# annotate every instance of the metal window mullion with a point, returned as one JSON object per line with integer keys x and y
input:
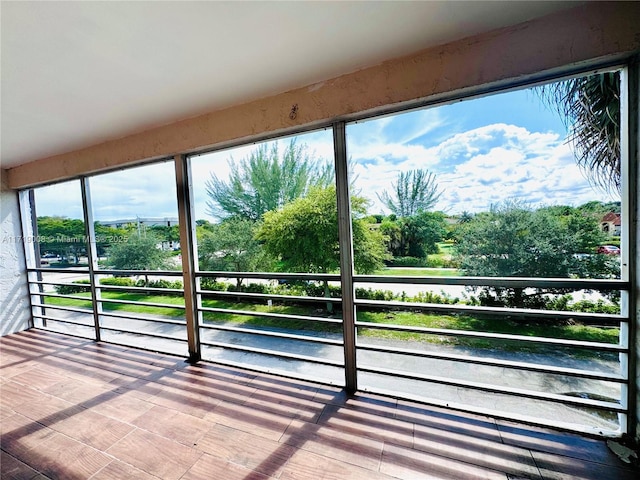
{"x": 345, "y": 240}
{"x": 629, "y": 156}
{"x": 189, "y": 253}
{"x": 92, "y": 253}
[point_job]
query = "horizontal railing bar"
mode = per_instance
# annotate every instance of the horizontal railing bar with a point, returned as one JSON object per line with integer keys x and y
{"x": 112, "y": 287}
{"x": 270, "y": 333}
{"x": 268, "y": 296}
{"x": 270, "y": 275}
{"x": 144, "y": 304}
{"x": 531, "y": 367}
{"x": 86, "y": 311}
{"x": 497, "y": 336}
{"x": 67, "y": 284}
{"x": 140, "y": 273}
{"x": 273, "y": 353}
{"x": 135, "y": 316}
{"x": 508, "y": 282}
{"x": 512, "y": 391}
{"x": 497, "y": 311}
{"x": 58, "y": 270}
{"x": 281, "y": 316}
{"x": 268, "y": 371}
{"x": 141, "y": 289}
{"x": 64, "y": 320}
{"x": 146, "y": 334}
{"x": 498, "y": 414}
{"x": 61, "y": 295}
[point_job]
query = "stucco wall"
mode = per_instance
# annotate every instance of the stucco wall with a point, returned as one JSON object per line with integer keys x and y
{"x": 14, "y": 299}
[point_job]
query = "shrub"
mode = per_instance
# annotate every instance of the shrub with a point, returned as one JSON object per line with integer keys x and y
{"x": 407, "y": 262}
{"x": 213, "y": 285}
{"x": 80, "y": 287}
{"x": 118, "y": 282}
{"x": 370, "y": 294}
{"x": 430, "y": 297}
{"x": 160, "y": 283}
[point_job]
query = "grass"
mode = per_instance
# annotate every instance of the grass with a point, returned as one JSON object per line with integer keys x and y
{"x": 418, "y": 272}
{"x": 405, "y": 318}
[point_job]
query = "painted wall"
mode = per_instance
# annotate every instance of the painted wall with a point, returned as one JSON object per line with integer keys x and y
{"x": 14, "y": 295}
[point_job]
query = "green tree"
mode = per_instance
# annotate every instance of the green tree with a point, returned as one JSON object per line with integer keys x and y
{"x": 303, "y": 235}
{"x": 590, "y": 107}
{"x": 414, "y": 236}
{"x": 62, "y": 236}
{"x": 512, "y": 240}
{"x": 231, "y": 246}
{"x": 414, "y": 191}
{"x": 266, "y": 181}
{"x": 139, "y": 252}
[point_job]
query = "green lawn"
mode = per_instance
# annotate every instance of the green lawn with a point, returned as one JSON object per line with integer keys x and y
{"x": 408, "y": 318}
{"x": 418, "y": 272}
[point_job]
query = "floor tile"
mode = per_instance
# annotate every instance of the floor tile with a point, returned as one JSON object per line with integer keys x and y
{"x": 305, "y": 465}
{"x": 155, "y": 454}
{"x": 58, "y": 456}
{"x": 334, "y": 443}
{"x": 93, "y": 429}
{"x": 479, "y": 451}
{"x": 76, "y": 409}
{"x": 247, "y": 450}
{"x": 117, "y": 470}
{"x": 367, "y": 425}
{"x": 245, "y": 419}
{"x": 408, "y": 464}
{"x": 173, "y": 425}
{"x": 558, "y": 467}
{"x": 209, "y": 467}
{"x": 13, "y": 469}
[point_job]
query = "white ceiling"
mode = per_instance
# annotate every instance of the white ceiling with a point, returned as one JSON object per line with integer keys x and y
{"x": 79, "y": 73}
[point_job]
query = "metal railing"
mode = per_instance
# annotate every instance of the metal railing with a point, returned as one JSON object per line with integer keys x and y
{"x": 311, "y": 343}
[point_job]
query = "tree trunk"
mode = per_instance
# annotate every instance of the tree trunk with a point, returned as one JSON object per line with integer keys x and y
{"x": 327, "y": 294}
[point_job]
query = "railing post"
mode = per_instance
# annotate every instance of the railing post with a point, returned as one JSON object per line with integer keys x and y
{"x": 92, "y": 254}
{"x": 28, "y": 220}
{"x": 345, "y": 236}
{"x": 189, "y": 254}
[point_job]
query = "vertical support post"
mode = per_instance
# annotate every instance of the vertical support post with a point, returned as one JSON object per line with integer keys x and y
{"x": 629, "y": 153}
{"x": 345, "y": 237}
{"x": 29, "y": 227}
{"x": 92, "y": 254}
{"x": 189, "y": 251}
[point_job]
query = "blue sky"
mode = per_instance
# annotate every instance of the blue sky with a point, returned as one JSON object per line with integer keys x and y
{"x": 482, "y": 151}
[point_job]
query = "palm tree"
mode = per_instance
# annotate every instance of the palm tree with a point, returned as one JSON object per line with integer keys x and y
{"x": 590, "y": 107}
{"x": 413, "y": 192}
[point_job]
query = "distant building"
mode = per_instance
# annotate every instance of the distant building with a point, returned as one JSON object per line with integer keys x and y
{"x": 610, "y": 224}
{"x": 143, "y": 222}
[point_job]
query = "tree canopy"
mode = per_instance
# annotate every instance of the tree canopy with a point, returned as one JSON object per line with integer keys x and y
{"x": 303, "y": 235}
{"x": 266, "y": 180}
{"x": 415, "y": 236}
{"x": 512, "y": 240}
{"x": 62, "y": 236}
{"x": 590, "y": 107}
{"x": 231, "y": 246}
{"x": 139, "y": 252}
{"x": 413, "y": 192}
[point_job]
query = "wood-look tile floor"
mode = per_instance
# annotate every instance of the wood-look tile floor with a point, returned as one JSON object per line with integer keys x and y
{"x": 76, "y": 409}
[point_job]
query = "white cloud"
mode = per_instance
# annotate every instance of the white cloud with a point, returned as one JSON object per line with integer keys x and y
{"x": 481, "y": 167}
